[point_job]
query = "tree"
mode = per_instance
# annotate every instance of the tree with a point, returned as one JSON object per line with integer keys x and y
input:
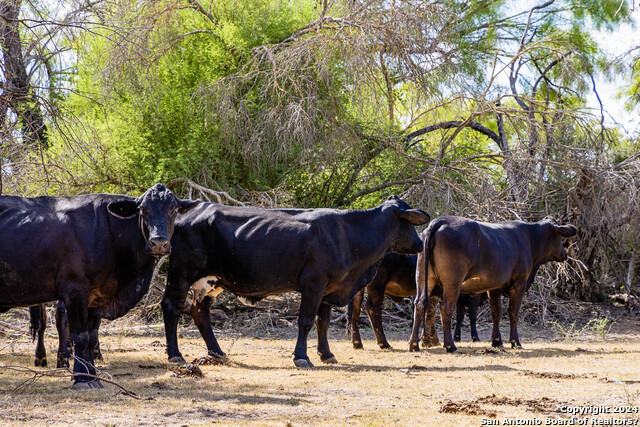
{"x": 35, "y": 66}
{"x": 469, "y": 108}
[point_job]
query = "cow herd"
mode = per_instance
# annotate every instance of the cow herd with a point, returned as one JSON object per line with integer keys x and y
{"x": 95, "y": 254}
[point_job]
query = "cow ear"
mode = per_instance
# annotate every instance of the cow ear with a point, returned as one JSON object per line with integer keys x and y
{"x": 185, "y": 206}
{"x": 123, "y": 208}
{"x": 414, "y": 216}
{"x": 566, "y": 230}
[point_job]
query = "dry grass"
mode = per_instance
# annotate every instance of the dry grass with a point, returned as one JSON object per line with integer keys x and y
{"x": 259, "y": 384}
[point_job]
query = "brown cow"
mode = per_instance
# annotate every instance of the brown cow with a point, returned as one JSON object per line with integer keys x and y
{"x": 473, "y": 257}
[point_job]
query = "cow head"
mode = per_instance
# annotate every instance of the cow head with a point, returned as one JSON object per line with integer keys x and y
{"x": 556, "y": 236}
{"x": 405, "y": 239}
{"x": 156, "y": 210}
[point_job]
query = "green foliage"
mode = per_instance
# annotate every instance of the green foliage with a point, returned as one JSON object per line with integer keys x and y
{"x": 145, "y": 114}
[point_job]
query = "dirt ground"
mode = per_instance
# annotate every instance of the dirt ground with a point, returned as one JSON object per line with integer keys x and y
{"x": 571, "y": 369}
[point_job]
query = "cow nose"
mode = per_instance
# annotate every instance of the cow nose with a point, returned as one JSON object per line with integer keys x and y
{"x": 159, "y": 246}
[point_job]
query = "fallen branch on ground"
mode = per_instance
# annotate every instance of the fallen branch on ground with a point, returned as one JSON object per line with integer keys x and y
{"x": 59, "y": 373}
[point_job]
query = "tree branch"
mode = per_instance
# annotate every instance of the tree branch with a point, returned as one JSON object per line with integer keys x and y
{"x": 454, "y": 124}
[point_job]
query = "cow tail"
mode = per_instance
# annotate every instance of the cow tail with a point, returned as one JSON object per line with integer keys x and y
{"x": 34, "y": 320}
{"x": 424, "y": 260}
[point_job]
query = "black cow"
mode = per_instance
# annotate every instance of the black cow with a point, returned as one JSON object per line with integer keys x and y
{"x": 395, "y": 278}
{"x": 474, "y": 257}
{"x": 327, "y": 255}
{"x": 95, "y": 252}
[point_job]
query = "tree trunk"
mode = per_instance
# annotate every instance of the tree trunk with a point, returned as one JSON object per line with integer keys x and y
{"x": 632, "y": 266}
{"x": 17, "y": 92}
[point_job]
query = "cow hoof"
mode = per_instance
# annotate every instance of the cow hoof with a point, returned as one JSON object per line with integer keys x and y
{"x": 385, "y": 346}
{"x": 456, "y": 339}
{"x": 82, "y": 385}
{"x": 475, "y": 339}
{"x": 40, "y": 362}
{"x": 332, "y": 360}
{"x": 497, "y": 343}
{"x": 62, "y": 364}
{"x": 414, "y": 347}
{"x": 302, "y": 363}
{"x": 178, "y": 359}
{"x": 516, "y": 345}
{"x": 358, "y": 345}
{"x": 220, "y": 356}
{"x": 451, "y": 349}
{"x": 88, "y": 385}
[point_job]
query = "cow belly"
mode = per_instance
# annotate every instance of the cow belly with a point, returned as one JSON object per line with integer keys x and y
{"x": 397, "y": 290}
{"x": 339, "y": 294}
{"x": 476, "y": 285}
{"x": 19, "y": 291}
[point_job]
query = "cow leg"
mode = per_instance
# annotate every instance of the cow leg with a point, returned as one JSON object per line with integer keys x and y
{"x": 420, "y": 302}
{"x": 515, "y": 298}
{"x": 38, "y": 318}
{"x": 460, "y": 309}
{"x": 353, "y": 318}
{"x": 76, "y": 302}
{"x": 97, "y": 354}
{"x": 473, "y": 317}
{"x": 450, "y": 296}
{"x": 174, "y": 296}
{"x": 200, "y": 311}
{"x": 430, "y": 334}
{"x": 496, "y": 316}
{"x": 323, "y": 319}
{"x": 373, "y": 308}
{"x": 309, "y": 305}
{"x": 64, "y": 342}
{"x": 94, "y": 344}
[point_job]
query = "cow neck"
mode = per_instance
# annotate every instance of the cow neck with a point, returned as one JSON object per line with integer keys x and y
{"x": 134, "y": 268}
{"x": 537, "y": 235}
{"x": 130, "y": 239}
{"x": 370, "y": 230}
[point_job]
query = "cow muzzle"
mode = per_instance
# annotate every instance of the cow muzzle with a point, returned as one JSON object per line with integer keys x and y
{"x": 158, "y": 246}
{"x": 561, "y": 257}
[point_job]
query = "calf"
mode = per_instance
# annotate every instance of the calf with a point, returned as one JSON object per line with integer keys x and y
{"x": 462, "y": 255}
{"x": 472, "y": 303}
{"x": 95, "y": 252}
{"x": 395, "y": 278}
{"x": 327, "y": 255}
